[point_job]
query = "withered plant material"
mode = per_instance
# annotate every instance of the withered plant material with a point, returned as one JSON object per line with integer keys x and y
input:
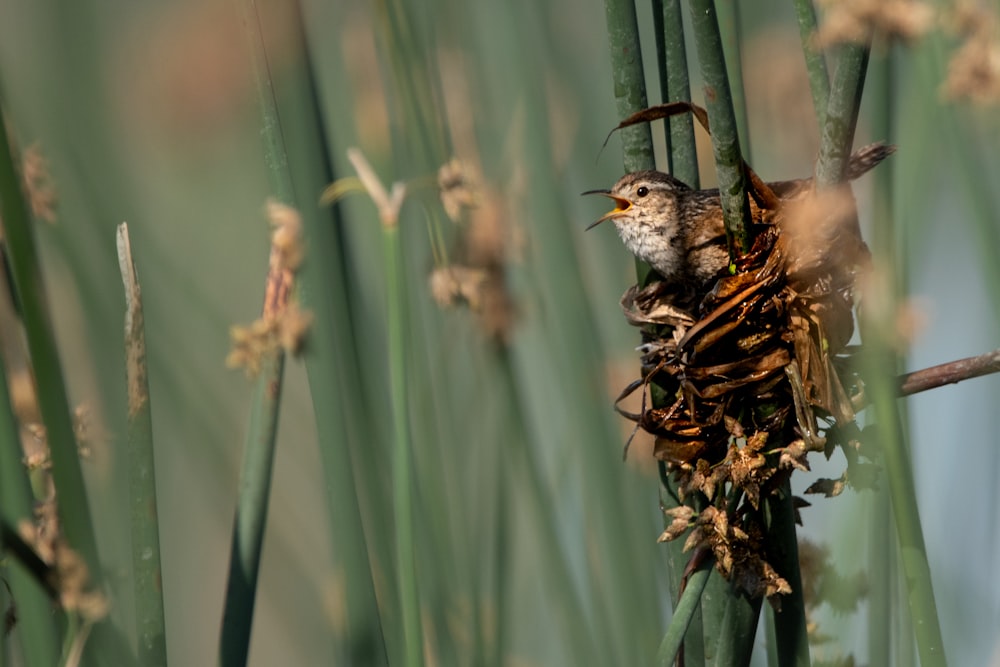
{"x": 282, "y": 325}
{"x": 755, "y": 373}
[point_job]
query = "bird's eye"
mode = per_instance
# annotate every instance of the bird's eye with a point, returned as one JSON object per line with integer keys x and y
{"x": 642, "y": 191}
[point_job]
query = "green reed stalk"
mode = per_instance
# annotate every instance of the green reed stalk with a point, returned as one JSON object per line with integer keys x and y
{"x": 728, "y": 12}
{"x": 722, "y": 118}
{"x": 147, "y": 574}
{"x": 258, "y": 461}
{"x": 402, "y": 467}
{"x": 251, "y": 513}
{"x": 36, "y": 624}
{"x": 886, "y": 251}
{"x": 675, "y": 86}
{"x": 791, "y": 638}
{"x": 684, "y": 613}
{"x": 880, "y": 366}
{"x": 819, "y": 79}
{"x": 629, "y": 82}
{"x": 841, "y": 117}
{"x": 74, "y": 507}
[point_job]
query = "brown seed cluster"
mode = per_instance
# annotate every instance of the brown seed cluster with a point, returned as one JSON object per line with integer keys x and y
{"x": 282, "y": 325}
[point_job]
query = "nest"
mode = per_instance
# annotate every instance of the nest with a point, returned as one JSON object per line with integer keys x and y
{"x": 753, "y": 378}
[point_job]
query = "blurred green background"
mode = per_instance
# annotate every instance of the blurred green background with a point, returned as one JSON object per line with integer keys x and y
{"x": 530, "y": 532}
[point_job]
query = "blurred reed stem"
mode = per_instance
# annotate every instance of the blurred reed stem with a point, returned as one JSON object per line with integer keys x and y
{"x": 583, "y": 646}
{"x": 146, "y": 571}
{"x": 258, "y": 456}
{"x": 73, "y": 505}
{"x": 359, "y": 638}
{"x": 881, "y": 365}
{"x": 880, "y": 368}
{"x": 406, "y": 569}
{"x": 36, "y": 628}
{"x": 722, "y": 118}
{"x": 251, "y": 513}
{"x": 884, "y": 575}
{"x": 350, "y": 445}
{"x": 974, "y": 175}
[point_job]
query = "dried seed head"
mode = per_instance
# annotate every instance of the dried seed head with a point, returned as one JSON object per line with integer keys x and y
{"x": 974, "y": 69}
{"x": 853, "y": 20}
{"x": 457, "y": 187}
{"x": 286, "y": 237}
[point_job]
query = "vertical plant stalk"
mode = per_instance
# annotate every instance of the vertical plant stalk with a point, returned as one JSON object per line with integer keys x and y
{"x": 841, "y": 118}
{"x": 402, "y": 467}
{"x": 727, "y": 617}
{"x": 389, "y": 204}
{"x": 881, "y": 364}
{"x": 675, "y": 86}
{"x": 360, "y": 638}
{"x": 728, "y": 12}
{"x": 791, "y": 638}
{"x": 687, "y": 608}
{"x": 149, "y": 617}
{"x": 74, "y": 509}
{"x": 36, "y": 626}
{"x": 819, "y": 79}
{"x": 734, "y": 644}
{"x": 682, "y": 158}
{"x": 880, "y": 369}
{"x": 255, "y": 478}
{"x": 629, "y": 82}
{"x": 251, "y": 513}
{"x": 725, "y": 136}
{"x": 331, "y": 353}
{"x": 883, "y": 564}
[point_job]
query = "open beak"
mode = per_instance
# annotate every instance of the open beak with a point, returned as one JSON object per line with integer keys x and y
{"x": 621, "y": 205}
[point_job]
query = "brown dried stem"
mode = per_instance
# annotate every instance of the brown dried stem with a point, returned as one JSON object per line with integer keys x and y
{"x": 949, "y": 373}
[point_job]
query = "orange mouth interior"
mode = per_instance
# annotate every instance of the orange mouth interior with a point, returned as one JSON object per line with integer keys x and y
{"x": 621, "y": 205}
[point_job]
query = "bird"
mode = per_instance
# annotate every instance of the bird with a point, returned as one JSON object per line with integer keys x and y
{"x": 679, "y": 231}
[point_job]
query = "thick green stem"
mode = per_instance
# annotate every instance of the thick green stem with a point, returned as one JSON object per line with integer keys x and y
{"x": 841, "y": 118}
{"x": 725, "y": 136}
{"x": 819, "y": 79}
{"x": 728, "y": 12}
{"x": 734, "y": 643}
{"x": 675, "y": 86}
{"x": 685, "y": 611}
{"x": 629, "y": 82}
{"x": 792, "y": 642}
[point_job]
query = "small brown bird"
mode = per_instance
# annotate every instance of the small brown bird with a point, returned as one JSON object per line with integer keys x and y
{"x": 680, "y": 231}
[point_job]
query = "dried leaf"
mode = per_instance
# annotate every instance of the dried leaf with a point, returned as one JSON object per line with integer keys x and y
{"x": 828, "y": 487}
